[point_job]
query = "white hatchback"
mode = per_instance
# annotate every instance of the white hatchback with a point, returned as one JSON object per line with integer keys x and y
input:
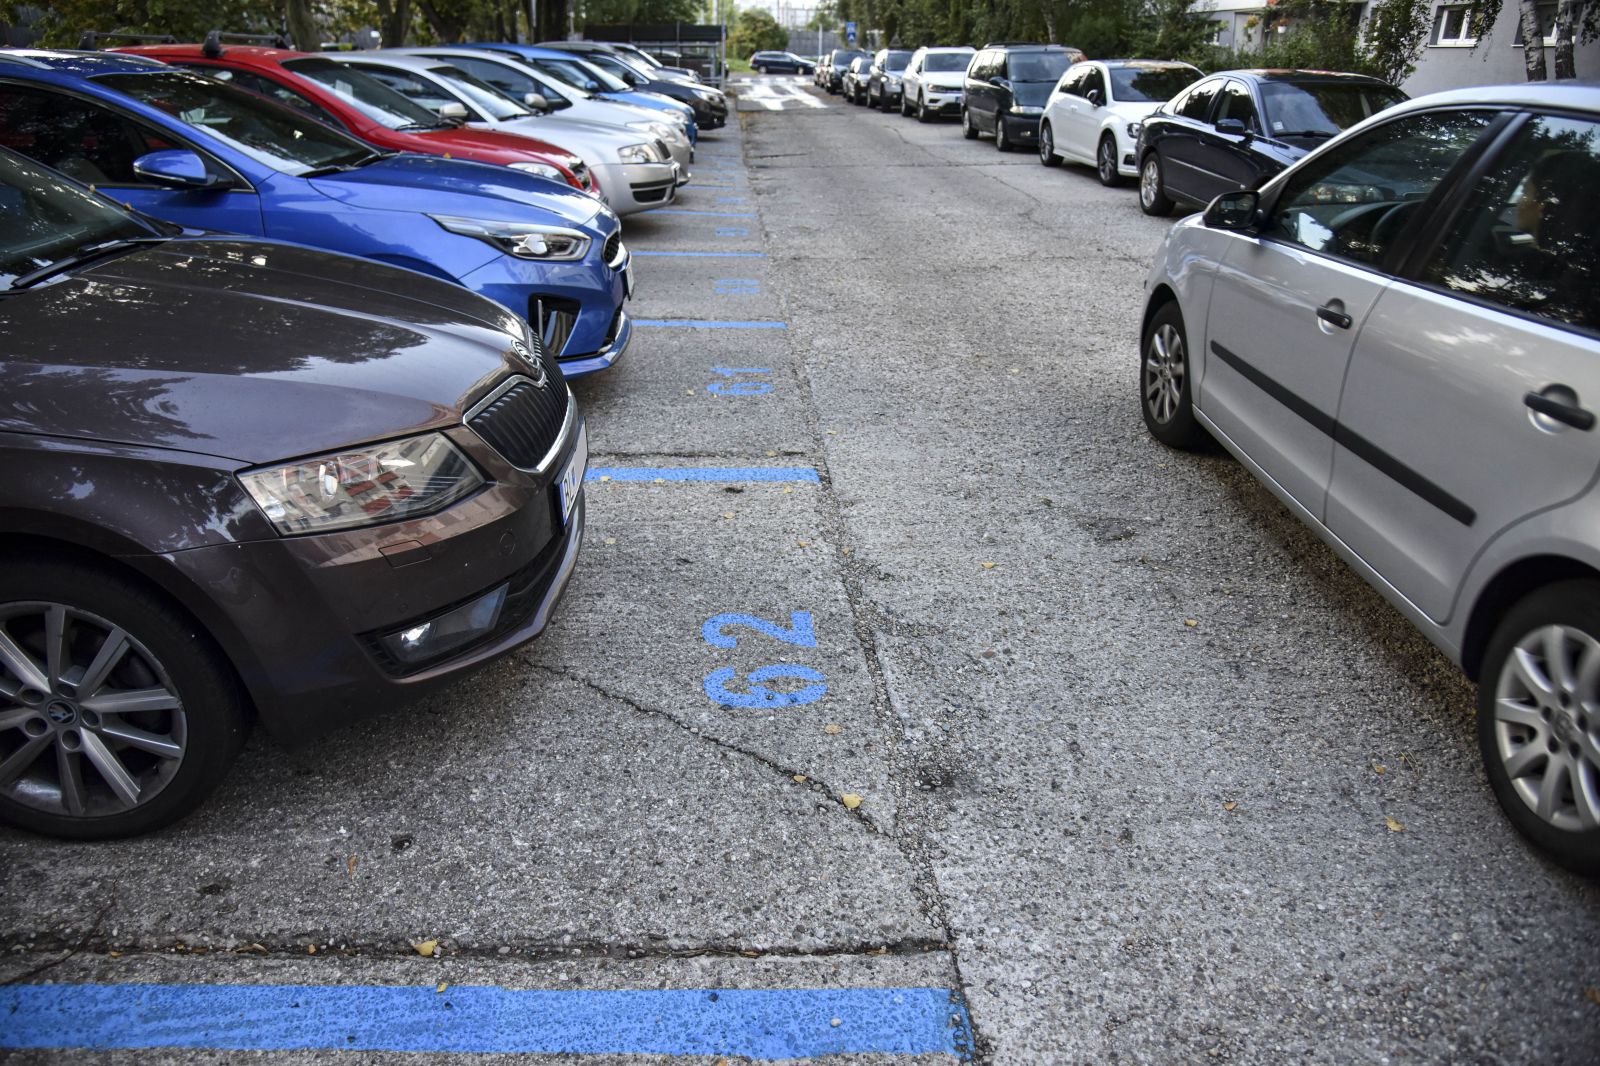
{"x": 1093, "y": 115}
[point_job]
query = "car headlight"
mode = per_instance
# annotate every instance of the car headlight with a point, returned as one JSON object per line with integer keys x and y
{"x": 709, "y": 95}
{"x": 543, "y": 170}
{"x": 1133, "y": 129}
{"x": 638, "y": 153}
{"x": 521, "y": 239}
{"x": 381, "y": 483}
{"x": 893, "y": 81}
{"x": 1024, "y": 109}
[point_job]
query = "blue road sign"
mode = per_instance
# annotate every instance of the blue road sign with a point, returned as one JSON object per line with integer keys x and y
{"x": 850, "y": 32}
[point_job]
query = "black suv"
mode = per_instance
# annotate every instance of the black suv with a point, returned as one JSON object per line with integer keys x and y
{"x": 1006, "y": 88}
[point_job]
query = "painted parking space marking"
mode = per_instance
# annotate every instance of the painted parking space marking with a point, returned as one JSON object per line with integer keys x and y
{"x": 758, "y": 1023}
{"x": 775, "y": 96}
{"x": 704, "y": 255}
{"x": 750, "y": 692}
{"x": 718, "y": 474}
{"x": 740, "y": 388}
{"x": 737, "y": 286}
{"x": 733, "y": 231}
{"x": 706, "y": 323}
{"x": 706, "y": 214}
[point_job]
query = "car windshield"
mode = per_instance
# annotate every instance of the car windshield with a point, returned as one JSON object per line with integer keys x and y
{"x": 841, "y": 60}
{"x": 499, "y": 106}
{"x": 896, "y": 60}
{"x": 271, "y": 134}
{"x": 1322, "y": 109}
{"x": 1150, "y": 84}
{"x": 366, "y": 94}
{"x": 946, "y": 62}
{"x": 45, "y": 218}
{"x": 586, "y": 76}
{"x": 1039, "y": 66}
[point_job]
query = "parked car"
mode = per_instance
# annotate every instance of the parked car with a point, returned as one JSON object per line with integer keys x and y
{"x": 1005, "y": 90}
{"x": 1398, "y": 336}
{"x": 210, "y": 155}
{"x": 363, "y": 108}
{"x": 831, "y": 74}
{"x": 780, "y": 63}
{"x": 1236, "y": 129}
{"x": 636, "y": 55}
{"x": 883, "y": 78}
{"x": 932, "y": 82}
{"x": 629, "y": 165}
{"x": 1094, "y": 114}
{"x": 854, "y": 86}
{"x": 709, "y": 103}
{"x": 247, "y": 480}
{"x": 587, "y": 78}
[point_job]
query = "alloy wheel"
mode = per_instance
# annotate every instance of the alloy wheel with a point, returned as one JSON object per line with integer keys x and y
{"x": 1149, "y": 182}
{"x": 1547, "y": 725}
{"x": 1164, "y": 367}
{"x": 1108, "y": 161}
{"x": 90, "y": 721}
{"x": 1047, "y": 145}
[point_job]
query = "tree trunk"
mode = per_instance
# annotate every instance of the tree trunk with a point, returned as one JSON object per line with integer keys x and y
{"x": 445, "y": 30}
{"x": 1566, "y": 30}
{"x": 1532, "y": 40}
{"x": 302, "y": 26}
{"x": 1050, "y": 22}
{"x": 394, "y": 22}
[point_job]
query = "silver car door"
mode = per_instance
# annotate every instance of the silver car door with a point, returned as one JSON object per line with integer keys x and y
{"x": 1473, "y": 392}
{"x": 1287, "y": 306}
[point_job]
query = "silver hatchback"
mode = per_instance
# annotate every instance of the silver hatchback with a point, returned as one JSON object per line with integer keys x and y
{"x": 1400, "y": 336}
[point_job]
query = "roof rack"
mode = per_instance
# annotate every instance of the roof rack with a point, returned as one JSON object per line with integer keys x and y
{"x": 1022, "y": 44}
{"x": 90, "y": 41}
{"x": 211, "y": 48}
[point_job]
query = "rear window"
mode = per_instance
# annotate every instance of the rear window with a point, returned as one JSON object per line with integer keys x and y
{"x": 1039, "y": 66}
{"x": 1313, "y": 109}
{"x": 946, "y": 62}
{"x": 896, "y": 60}
{"x": 1153, "y": 85}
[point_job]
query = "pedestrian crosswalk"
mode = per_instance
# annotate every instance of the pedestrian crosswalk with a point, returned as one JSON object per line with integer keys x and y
{"x": 775, "y": 92}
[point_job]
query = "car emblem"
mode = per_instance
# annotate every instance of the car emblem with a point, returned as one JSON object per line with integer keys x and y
{"x": 534, "y": 363}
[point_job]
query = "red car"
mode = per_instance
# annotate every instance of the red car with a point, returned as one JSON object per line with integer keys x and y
{"x": 363, "y": 106}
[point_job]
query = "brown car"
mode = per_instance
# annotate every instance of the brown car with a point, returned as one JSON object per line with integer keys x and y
{"x": 247, "y": 479}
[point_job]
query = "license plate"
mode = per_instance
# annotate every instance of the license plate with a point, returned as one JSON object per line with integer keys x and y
{"x": 572, "y": 476}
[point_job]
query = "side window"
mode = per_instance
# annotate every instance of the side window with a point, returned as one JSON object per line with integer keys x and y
{"x": 1354, "y": 201}
{"x": 78, "y": 138}
{"x": 1094, "y": 82}
{"x": 1072, "y": 82}
{"x": 511, "y": 82}
{"x": 1197, "y": 103}
{"x": 1529, "y": 239}
{"x": 1236, "y": 103}
{"x": 412, "y": 87}
{"x": 245, "y": 79}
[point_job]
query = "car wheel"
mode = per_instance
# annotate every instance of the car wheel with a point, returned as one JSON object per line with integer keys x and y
{"x": 1047, "y": 146}
{"x": 922, "y": 110}
{"x": 1106, "y": 162}
{"x": 761, "y": 70}
{"x": 905, "y": 106}
{"x": 1164, "y": 381}
{"x": 1152, "y": 198}
{"x": 1539, "y": 720}
{"x": 1002, "y": 141}
{"x": 116, "y": 715}
{"x": 968, "y": 130}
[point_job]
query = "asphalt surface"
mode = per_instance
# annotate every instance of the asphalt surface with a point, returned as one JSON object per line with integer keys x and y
{"x": 1129, "y": 743}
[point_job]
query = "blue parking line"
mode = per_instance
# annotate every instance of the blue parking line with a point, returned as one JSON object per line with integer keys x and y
{"x": 757, "y": 1023}
{"x": 702, "y": 473}
{"x": 718, "y": 214}
{"x": 704, "y": 255}
{"x": 707, "y": 323}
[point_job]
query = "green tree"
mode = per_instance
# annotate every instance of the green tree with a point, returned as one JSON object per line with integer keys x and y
{"x": 756, "y": 30}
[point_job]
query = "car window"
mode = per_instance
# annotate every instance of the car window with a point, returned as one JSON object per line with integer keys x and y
{"x": 83, "y": 140}
{"x": 366, "y": 94}
{"x": 412, "y": 87}
{"x": 1322, "y": 109}
{"x": 1072, "y": 81}
{"x": 1353, "y": 201}
{"x": 1038, "y": 66}
{"x": 1197, "y": 101}
{"x": 1094, "y": 81}
{"x": 481, "y": 94}
{"x": 1529, "y": 239}
{"x": 1236, "y": 104}
{"x": 1150, "y": 84}
{"x": 46, "y": 219}
{"x": 246, "y": 79}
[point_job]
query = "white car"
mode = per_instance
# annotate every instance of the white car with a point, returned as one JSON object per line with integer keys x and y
{"x": 517, "y": 80}
{"x": 1093, "y": 115}
{"x": 931, "y": 85}
{"x": 633, "y": 172}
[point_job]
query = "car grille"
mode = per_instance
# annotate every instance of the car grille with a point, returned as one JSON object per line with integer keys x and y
{"x": 523, "y": 421}
{"x": 613, "y": 246}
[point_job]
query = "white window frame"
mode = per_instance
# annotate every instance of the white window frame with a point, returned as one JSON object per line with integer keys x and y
{"x": 1442, "y": 12}
{"x": 1550, "y": 41}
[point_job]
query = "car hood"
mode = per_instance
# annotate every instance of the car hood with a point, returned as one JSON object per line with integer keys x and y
{"x": 455, "y": 187}
{"x": 251, "y": 350}
{"x": 952, "y": 79}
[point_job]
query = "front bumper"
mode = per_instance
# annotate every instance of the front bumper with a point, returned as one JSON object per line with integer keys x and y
{"x": 1022, "y": 129}
{"x": 307, "y": 607}
{"x": 943, "y": 101}
{"x": 634, "y": 187}
{"x": 573, "y": 306}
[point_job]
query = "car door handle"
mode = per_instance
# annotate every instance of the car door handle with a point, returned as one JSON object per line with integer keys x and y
{"x": 1333, "y": 316}
{"x": 1569, "y": 413}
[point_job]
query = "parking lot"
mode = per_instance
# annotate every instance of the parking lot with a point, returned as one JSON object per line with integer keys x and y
{"x": 1092, "y": 753}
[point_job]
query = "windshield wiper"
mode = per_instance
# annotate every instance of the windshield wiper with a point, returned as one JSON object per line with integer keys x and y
{"x": 88, "y": 253}
{"x": 340, "y": 168}
{"x": 1307, "y": 133}
{"x": 422, "y": 127}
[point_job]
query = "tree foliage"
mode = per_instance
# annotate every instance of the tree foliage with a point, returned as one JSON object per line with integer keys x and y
{"x": 756, "y": 30}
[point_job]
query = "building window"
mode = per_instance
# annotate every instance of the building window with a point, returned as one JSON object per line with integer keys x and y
{"x": 1547, "y": 23}
{"x": 1453, "y": 27}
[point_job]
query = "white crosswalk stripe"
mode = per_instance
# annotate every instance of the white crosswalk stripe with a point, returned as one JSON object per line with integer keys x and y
{"x": 775, "y": 93}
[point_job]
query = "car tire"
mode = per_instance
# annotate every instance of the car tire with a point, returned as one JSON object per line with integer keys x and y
{"x": 761, "y": 70}
{"x": 1542, "y": 723}
{"x": 1152, "y": 197}
{"x": 1002, "y": 140}
{"x": 905, "y": 106}
{"x": 1047, "y": 146}
{"x": 1105, "y": 165}
{"x": 923, "y": 115}
{"x": 1164, "y": 379}
{"x": 131, "y": 771}
{"x": 968, "y": 130}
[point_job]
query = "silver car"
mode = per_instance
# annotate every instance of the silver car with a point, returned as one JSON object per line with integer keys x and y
{"x": 1400, "y": 336}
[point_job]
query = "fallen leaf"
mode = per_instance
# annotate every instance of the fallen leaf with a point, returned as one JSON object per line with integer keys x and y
{"x": 611, "y": 540}
{"x": 311, "y": 949}
{"x": 833, "y": 433}
{"x": 771, "y": 453}
{"x": 1594, "y": 995}
{"x": 800, "y": 779}
{"x": 989, "y": 566}
{"x": 832, "y": 730}
{"x": 1378, "y": 768}
{"x": 658, "y": 481}
{"x": 850, "y": 800}
{"x": 845, "y": 551}
{"x": 115, "y": 954}
{"x": 1191, "y": 622}
{"x": 1015, "y": 370}
{"x": 350, "y": 867}
{"x": 252, "y": 949}
{"x": 1394, "y": 826}
{"x": 800, "y": 544}
{"x": 788, "y": 489}
{"x": 727, "y": 514}
{"x": 441, "y": 986}
{"x": 605, "y": 477}
{"x": 426, "y": 948}
{"x": 1231, "y": 805}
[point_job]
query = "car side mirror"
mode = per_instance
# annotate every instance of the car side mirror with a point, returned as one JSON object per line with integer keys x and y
{"x": 176, "y": 169}
{"x": 999, "y": 83}
{"x": 1094, "y": 98}
{"x": 454, "y": 112}
{"x": 1233, "y": 127}
{"x": 1239, "y": 211}
{"x": 536, "y": 101}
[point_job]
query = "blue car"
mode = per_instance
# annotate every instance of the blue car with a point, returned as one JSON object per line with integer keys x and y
{"x": 209, "y": 155}
{"x": 580, "y": 74}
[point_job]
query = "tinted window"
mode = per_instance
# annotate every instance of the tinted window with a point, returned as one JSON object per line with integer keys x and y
{"x": 1038, "y": 66}
{"x": 1322, "y": 109}
{"x": 1150, "y": 84}
{"x": 1072, "y": 81}
{"x": 1197, "y": 102}
{"x": 509, "y": 80}
{"x": 572, "y": 72}
{"x": 83, "y": 140}
{"x": 1094, "y": 81}
{"x": 1530, "y": 238}
{"x": 946, "y": 62}
{"x": 245, "y": 79}
{"x": 1236, "y": 104}
{"x": 1355, "y": 200}
{"x": 481, "y": 93}
{"x": 412, "y": 87}
{"x": 44, "y": 219}
{"x": 896, "y": 60}
{"x": 366, "y": 94}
